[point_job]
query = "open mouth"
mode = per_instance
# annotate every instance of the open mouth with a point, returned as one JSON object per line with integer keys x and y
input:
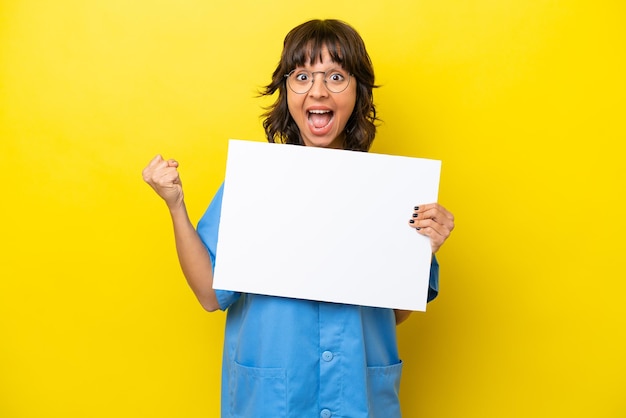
{"x": 320, "y": 118}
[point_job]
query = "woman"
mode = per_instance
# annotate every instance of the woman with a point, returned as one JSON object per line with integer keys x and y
{"x": 299, "y": 358}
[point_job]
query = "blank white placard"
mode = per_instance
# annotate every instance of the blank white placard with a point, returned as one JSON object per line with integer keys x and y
{"x": 323, "y": 224}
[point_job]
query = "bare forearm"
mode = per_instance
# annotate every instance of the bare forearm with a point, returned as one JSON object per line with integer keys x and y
{"x": 194, "y": 259}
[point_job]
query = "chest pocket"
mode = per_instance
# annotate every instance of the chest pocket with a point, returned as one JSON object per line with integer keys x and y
{"x": 383, "y": 387}
{"x": 257, "y": 392}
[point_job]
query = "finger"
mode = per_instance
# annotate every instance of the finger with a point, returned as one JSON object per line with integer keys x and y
{"x": 434, "y": 221}
{"x": 166, "y": 176}
{"x": 430, "y": 210}
{"x": 436, "y": 239}
{"x": 431, "y": 226}
{"x": 434, "y": 211}
{"x": 155, "y": 161}
{"x": 159, "y": 176}
{"x": 148, "y": 171}
{"x": 423, "y": 224}
{"x": 174, "y": 179}
{"x": 172, "y": 163}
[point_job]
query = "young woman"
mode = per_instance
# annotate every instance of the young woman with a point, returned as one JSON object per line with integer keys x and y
{"x": 289, "y": 357}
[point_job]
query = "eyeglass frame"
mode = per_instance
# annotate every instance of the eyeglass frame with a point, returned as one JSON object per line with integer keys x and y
{"x": 350, "y": 75}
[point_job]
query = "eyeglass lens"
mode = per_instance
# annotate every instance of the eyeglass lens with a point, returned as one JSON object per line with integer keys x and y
{"x": 301, "y": 81}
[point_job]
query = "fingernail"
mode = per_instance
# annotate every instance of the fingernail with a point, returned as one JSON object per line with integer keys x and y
{"x": 411, "y": 221}
{"x": 415, "y": 215}
{"x": 416, "y": 207}
{"x": 418, "y": 228}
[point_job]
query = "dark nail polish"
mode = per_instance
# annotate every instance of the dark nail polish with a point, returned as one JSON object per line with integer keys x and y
{"x": 411, "y": 221}
{"x": 415, "y": 215}
{"x": 418, "y": 228}
{"x": 417, "y": 208}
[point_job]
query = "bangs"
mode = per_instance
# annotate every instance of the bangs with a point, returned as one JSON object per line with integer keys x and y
{"x": 304, "y": 45}
{"x": 310, "y": 53}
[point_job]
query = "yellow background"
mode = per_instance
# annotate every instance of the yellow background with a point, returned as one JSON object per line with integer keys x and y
{"x": 522, "y": 100}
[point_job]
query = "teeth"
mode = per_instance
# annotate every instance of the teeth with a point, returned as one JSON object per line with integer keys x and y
{"x": 319, "y": 112}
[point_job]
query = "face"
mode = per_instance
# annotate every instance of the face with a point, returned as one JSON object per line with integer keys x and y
{"x": 320, "y": 115}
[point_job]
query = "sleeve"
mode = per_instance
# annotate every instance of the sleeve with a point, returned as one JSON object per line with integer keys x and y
{"x": 208, "y": 229}
{"x": 433, "y": 281}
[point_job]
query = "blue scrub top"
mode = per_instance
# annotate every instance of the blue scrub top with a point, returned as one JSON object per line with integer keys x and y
{"x": 299, "y": 358}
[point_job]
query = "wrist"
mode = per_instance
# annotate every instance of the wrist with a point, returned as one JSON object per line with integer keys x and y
{"x": 177, "y": 208}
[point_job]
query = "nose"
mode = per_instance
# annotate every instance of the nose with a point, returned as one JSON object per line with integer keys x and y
{"x": 318, "y": 89}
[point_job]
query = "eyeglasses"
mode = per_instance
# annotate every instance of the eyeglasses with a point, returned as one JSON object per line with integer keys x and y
{"x": 301, "y": 81}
